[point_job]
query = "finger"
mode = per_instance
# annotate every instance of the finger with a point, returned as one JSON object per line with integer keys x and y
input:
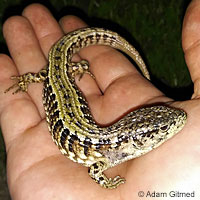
{"x": 24, "y": 46}
{"x": 123, "y": 87}
{"x": 14, "y": 105}
{"x": 45, "y": 26}
{"x": 25, "y": 51}
{"x": 191, "y": 45}
{"x": 7, "y": 68}
{"x": 47, "y": 32}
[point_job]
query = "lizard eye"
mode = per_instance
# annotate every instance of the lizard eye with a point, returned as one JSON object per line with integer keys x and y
{"x": 164, "y": 128}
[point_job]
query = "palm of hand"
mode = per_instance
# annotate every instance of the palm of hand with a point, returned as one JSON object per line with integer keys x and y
{"x": 36, "y": 169}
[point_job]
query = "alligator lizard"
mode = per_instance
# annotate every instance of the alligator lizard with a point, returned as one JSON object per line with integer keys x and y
{"x": 70, "y": 122}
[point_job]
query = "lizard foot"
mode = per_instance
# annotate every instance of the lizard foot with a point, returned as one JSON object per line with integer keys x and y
{"x": 96, "y": 173}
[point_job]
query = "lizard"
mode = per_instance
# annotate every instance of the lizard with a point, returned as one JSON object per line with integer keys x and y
{"x": 71, "y": 123}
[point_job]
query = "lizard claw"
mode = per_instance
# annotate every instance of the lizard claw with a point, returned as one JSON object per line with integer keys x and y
{"x": 21, "y": 84}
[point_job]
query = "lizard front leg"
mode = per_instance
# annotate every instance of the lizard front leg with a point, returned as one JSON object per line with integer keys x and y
{"x": 96, "y": 172}
{"x": 25, "y": 79}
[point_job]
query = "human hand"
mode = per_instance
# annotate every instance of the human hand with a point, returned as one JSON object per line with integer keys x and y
{"x": 36, "y": 168}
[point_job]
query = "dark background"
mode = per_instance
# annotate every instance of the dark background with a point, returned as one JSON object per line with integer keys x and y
{"x": 152, "y": 26}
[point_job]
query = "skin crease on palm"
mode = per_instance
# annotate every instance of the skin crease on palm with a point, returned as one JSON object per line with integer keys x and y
{"x": 35, "y": 167}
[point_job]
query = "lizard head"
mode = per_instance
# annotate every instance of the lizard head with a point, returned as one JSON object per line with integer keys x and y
{"x": 160, "y": 124}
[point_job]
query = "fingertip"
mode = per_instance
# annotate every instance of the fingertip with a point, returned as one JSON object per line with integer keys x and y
{"x": 42, "y": 21}
{"x": 191, "y": 28}
{"x": 12, "y": 25}
{"x": 70, "y": 23}
{"x": 34, "y": 7}
{"x": 190, "y": 39}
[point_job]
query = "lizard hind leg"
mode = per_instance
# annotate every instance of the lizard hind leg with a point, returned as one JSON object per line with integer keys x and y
{"x": 79, "y": 68}
{"x": 96, "y": 172}
{"x": 25, "y": 79}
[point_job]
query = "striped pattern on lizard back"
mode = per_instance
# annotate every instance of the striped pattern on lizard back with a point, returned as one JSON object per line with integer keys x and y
{"x": 70, "y": 121}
